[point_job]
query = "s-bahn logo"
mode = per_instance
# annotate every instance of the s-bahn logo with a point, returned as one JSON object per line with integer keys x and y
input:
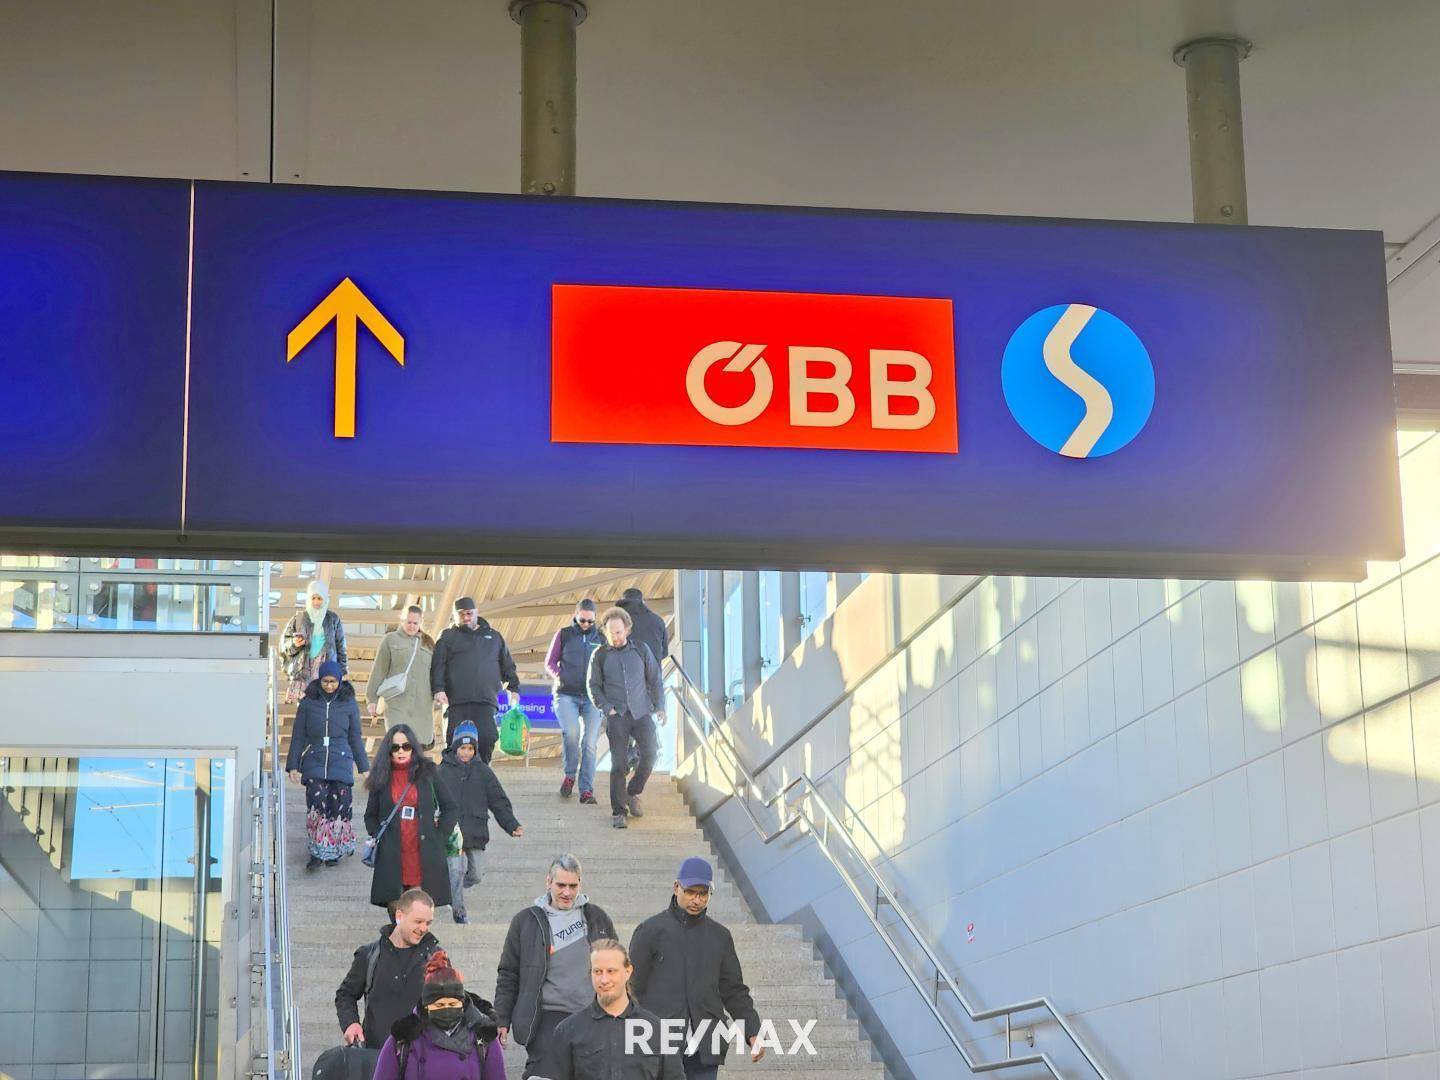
{"x": 721, "y": 367}
{"x": 1078, "y": 380}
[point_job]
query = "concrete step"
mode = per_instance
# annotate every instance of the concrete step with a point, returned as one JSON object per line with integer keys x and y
{"x": 490, "y": 934}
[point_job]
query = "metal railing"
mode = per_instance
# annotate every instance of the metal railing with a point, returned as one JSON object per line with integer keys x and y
{"x": 708, "y": 731}
{"x": 282, "y": 1018}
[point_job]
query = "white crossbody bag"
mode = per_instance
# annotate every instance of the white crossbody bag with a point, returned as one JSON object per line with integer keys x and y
{"x": 395, "y": 685}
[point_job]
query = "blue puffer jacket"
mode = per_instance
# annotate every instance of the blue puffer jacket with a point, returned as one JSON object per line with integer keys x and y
{"x": 325, "y": 743}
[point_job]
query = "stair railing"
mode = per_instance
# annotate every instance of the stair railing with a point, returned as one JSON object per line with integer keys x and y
{"x": 282, "y": 1017}
{"x": 829, "y": 829}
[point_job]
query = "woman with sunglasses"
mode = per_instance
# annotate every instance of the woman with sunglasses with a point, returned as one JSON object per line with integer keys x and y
{"x": 407, "y": 792}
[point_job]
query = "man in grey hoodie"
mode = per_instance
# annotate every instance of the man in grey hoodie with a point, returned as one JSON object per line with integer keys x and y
{"x": 544, "y": 970}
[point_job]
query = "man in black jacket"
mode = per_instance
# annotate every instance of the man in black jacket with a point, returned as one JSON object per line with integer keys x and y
{"x": 544, "y": 970}
{"x": 649, "y": 627}
{"x": 686, "y": 969}
{"x": 389, "y": 974}
{"x": 624, "y": 683}
{"x": 594, "y": 1043}
{"x": 470, "y": 666}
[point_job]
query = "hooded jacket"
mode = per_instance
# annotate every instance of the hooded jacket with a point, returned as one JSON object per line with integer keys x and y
{"x": 325, "y": 740}
{"x": 413, "y": 1039}
{"x": 477, "y": 791}
{"x": 686, "y": 968}
{"x": 648, "y": 626}
{"x": 525, "y": 961}
{"x": 394, "y": 990}
{"x": 472, "y": 666}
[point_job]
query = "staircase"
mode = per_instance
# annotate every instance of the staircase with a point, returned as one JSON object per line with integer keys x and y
{"x": 629, "y": 873}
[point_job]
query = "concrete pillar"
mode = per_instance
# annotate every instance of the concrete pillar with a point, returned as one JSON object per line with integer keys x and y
{"x": 1217, "y": 139}
{"x": 547, "y": 93}
{"x": 750, "y": 630}
{"x": 789, "y": 614}
{"x": 715, "y": 641}
{"x": 685, "y": 641}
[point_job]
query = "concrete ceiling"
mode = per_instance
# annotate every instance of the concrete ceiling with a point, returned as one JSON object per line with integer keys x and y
{"x": 1046, "y": 107}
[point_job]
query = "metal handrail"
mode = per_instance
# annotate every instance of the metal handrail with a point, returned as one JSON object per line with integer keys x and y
{"x": 707, "y": 728}
{"x": 275, "y": 854}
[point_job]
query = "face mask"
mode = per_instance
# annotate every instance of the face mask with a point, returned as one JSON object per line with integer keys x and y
{"x": 445, "y": 1018}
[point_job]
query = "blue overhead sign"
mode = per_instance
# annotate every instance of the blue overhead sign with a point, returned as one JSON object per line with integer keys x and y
{"x": 310, "y": 369}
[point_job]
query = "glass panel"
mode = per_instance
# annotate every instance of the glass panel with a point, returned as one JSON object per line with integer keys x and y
{"x": 34, "y": 562}
{"x": 164, "y": 605}
{"x": 814, "y": 599}
{"x": 703, "y": 675}
{"x": 109, "y": 936}
{"x": 166, "y": 565}
{"x": 771, "y": 623}
{"x": 35, "y": 604}
{"x": 734, "y": 640}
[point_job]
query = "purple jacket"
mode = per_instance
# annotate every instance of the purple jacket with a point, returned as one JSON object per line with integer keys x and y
{"x": 423, "y": 1058}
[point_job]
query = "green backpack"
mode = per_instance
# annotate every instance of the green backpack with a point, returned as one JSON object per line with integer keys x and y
{"x": 514, "y": 732}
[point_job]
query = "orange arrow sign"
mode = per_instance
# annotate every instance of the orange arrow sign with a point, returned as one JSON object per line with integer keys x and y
{"x": 347, "y": 306}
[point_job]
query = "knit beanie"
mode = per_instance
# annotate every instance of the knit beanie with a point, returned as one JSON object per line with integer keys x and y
{"x": 441, "y": 980}
{"x": 466, "y": 733}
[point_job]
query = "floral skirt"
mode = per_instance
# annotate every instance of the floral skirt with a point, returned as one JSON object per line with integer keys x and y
{"x": 327, "y": 819}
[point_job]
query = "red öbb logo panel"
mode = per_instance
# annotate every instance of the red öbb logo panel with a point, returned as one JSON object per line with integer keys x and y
{"x": 717, "y": 367}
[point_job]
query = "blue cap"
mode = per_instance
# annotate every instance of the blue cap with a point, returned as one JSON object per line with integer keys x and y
{"x": 330, "y": 669}
{"x": 695, "y": 871}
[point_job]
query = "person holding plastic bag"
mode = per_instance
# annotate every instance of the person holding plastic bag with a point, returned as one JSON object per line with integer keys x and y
{"x": 472, "y": 664}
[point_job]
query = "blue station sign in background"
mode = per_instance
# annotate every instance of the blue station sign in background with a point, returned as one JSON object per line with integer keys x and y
{"x": 236, "y": 367}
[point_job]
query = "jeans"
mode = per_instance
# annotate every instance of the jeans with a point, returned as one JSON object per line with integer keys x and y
{"x": 620, "y": 728}
{"x": 482, "y": 715}
{"x": 466, "y": 869}
{"x": 571, "y": 711}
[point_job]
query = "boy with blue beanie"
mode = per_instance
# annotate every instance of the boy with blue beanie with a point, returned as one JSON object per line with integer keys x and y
{"x": 477, "y": 790}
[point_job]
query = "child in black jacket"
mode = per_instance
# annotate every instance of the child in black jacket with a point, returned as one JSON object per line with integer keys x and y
{"x": 474, "y": 785}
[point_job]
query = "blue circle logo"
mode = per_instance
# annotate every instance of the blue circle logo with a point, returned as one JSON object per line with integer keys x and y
{"x": 1078, "y": 380}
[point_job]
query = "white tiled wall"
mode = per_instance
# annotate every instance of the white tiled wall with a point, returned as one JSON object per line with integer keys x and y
{"x": 1204, "y": 817}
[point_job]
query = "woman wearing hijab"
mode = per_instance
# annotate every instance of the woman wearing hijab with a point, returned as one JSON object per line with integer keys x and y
{"x": 313, "y": 636}
{"x": 325, "y": 750}
{"x": 413, "y": 813}
{"x": 450, "y": 1036}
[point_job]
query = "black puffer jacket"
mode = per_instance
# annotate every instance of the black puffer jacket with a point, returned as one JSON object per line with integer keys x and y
{"x": 472, "y": 666}
{"x": 686, "y": 968}
{"x": 476, "y": 788}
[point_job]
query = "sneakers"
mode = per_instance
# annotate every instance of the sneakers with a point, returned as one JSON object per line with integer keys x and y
{"x": 331, "y": 864}
{"x": 587, "y": 797}
{"x": 461, "y": 919}
{"x": 567, "y": 786}
{"x": 315, "y": 863}
{"x": 619, "y": 822}
{"x": 635, "y": 810}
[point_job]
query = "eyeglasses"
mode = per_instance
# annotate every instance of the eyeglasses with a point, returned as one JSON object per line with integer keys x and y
{"x": 400, "y": 748}
{"x": 586, "y": 622}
